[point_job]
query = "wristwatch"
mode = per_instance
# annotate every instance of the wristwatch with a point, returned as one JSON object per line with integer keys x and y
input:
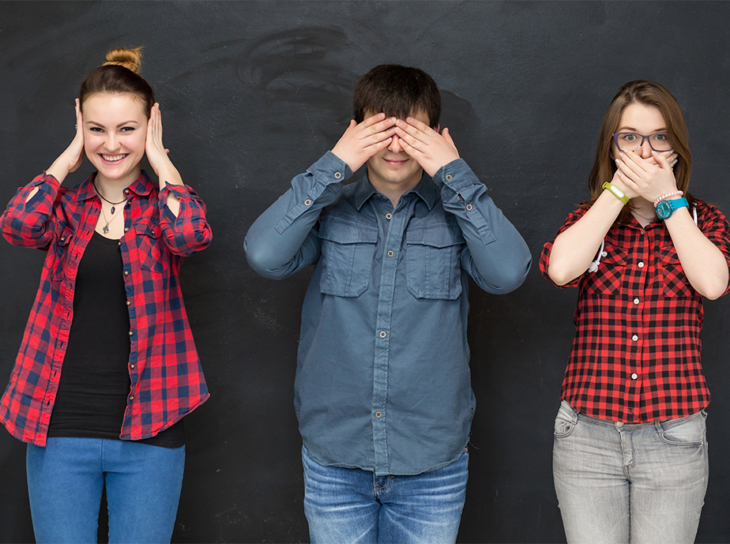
{"x": 665, "y": 208}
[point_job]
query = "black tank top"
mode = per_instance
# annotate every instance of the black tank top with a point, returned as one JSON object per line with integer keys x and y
{"x": 92, "y": 392}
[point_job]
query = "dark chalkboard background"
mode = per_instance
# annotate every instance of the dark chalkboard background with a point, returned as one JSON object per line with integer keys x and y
{"x": 252, "y": 93}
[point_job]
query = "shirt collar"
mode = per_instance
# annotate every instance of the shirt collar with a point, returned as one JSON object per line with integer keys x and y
{"x": 141, "y": 187}
{"x": 426, "y": 190}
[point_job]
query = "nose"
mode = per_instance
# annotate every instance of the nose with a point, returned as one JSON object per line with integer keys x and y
{"x": 395, "y": 145}
{"x": 111, "y": 143}
{"x": 645, "y": 150}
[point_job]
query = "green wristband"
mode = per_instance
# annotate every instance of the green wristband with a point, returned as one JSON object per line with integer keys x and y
{"x": 618, "y": 193}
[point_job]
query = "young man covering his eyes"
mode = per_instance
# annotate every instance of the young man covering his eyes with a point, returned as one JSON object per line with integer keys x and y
{"x": 383, "y": 394}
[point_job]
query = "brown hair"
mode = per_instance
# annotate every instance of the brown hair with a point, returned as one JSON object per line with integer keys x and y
{"x": 119, "y": 74}
{"x": 397, "y": 91}
{"x": 647, "y": 93}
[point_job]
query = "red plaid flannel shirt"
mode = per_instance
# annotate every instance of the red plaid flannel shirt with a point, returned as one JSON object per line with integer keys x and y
{"x": 636, "y": 353}
{"x": 166, "y": 379}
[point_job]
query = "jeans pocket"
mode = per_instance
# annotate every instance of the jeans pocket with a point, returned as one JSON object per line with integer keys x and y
{"x": 433, "y": 262}
{"x": 347, "y": 256}
{"x": 565, "y": 421}
{"x": 684, "y": 431}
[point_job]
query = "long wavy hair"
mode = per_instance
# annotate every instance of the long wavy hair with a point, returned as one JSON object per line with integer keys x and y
{"x": 648, "y": 93}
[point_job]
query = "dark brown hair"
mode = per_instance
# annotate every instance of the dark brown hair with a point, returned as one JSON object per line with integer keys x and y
{"x": 647, "y": 93}
{"x": 397, "y": 91}
{"x": 119, "y": 74}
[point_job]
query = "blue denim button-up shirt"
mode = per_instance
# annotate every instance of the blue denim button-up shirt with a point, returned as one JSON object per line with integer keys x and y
{"x": 383, "y": 378}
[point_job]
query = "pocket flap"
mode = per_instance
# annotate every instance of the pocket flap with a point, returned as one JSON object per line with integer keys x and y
{"x": 148, "y": 228}
{"x": 614, "y": 255}
{"x": 343, "y": 232}
{"x": 436, "y": 236}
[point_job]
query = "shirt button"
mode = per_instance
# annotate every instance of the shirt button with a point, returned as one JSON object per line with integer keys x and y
{"x": 131, "y": 333}
{"x": 619, "y": 424}
{"x": 390, "y": 254}
{"x": 131, "y": 397}
{"x": 126, "y": 272}
{"x": 120, "y": 243}
{"x": 338, "y": 175}
{"x": 449, "y": 177}
{"x": 129, "y": 302}
{"x": 636, "y": 301}
{"x": 634, "y": 376}
{"x": 63, "y": 238}
{"x": 126, "y": 191}
{"x": 131, "y": 366}
{"x": 635, "y": 338}
{"x": 383, "y": 334}
{"x": 641, "y": 265}
{"x": 469, "y": 207}
{"x": 378, "y": 414}
{"x": 388, "y": 216}
{"x": 604, "y": 254}
{"x": 126, "y": 229}
{"x": 307, "y": 202}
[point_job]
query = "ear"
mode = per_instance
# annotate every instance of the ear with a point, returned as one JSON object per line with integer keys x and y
{"x": 437, "y": 128}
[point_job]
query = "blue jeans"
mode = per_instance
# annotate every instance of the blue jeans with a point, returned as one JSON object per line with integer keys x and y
{"x": 66, "y": 478}
{"x": 637, "y": 483}
{"x": 346, "y": 505}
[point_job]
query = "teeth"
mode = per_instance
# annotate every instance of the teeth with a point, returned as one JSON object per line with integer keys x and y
{"x": 113, "y": 158}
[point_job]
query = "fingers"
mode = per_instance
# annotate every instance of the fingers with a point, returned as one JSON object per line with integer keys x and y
{"x": 663, "y": 160}
{"x": 447, "y": 136}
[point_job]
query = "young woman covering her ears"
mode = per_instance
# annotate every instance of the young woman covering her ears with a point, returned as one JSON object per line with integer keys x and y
{"x": 107, "y": 367}
{"x": 630, "y": 452}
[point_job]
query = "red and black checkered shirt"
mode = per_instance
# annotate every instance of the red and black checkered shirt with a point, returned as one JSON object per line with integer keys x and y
{"x": 636, "y": 353}
{"x": 166, "y": 379}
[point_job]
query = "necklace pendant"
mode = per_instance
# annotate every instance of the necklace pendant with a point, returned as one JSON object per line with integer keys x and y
{"x": 113, "y": 210}
{"x": 106, "y": 229}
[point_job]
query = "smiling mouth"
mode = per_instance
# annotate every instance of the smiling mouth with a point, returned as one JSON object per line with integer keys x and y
{"x": 395, "y": 162}
{"x": 112, "y": 158}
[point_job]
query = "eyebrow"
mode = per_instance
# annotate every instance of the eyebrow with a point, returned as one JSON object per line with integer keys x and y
{"x": 130, "y": 122}
{"x": 632, "y": 129}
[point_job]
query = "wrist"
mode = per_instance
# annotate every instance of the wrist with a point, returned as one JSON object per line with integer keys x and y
{"x": 616, "y": 192}
{"x": 666, "y": 196}
{"x": 58, "y": 171}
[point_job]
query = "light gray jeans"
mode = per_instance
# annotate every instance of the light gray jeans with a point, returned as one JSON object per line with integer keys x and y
{"x": 637, "y": 483}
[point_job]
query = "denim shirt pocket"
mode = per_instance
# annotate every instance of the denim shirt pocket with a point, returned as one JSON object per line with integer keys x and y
{"x": 347, "y": 256}
{"x": 153, "y": 254}
{"x": 61, "y": 251}
{"x": 433, "y": 261}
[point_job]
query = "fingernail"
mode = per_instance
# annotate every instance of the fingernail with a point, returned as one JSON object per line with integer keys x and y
{"x": 620, "y": 154}
{"x": 654, "y": 152}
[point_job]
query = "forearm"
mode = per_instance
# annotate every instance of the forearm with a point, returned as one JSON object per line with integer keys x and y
{"x": 574, "y": 250}
{"x": 498, "y": 258}
{"x": 169, "y": 174}
{"x": 703, "y": 263}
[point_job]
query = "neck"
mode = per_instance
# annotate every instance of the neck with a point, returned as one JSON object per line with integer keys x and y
{"x": 113, "y": 189}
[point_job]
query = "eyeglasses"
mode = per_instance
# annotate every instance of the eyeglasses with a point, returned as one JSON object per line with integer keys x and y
{"x": 627, "y": 141}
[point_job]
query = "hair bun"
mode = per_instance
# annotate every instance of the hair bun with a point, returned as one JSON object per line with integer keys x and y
{"x": 129, "y": 58}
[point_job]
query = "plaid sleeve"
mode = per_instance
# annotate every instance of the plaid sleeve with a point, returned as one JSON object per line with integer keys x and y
{"x": 715, "y": 227}
{"x": 30, "y": 224}
{"x": 573, "y": 217}
{"x": 189, "y": 232}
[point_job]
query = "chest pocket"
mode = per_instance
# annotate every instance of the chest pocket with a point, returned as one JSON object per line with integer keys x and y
{"x": 61, "y": 253}
{"x": 674, "y": 281}
{"x": 606, "y": 281}
{"x": 348, "y": 250}
{"x": 153, "y": 255}
{"x": 433, "y": 261}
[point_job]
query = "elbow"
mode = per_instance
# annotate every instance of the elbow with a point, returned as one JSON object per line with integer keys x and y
{"x": 262, "y": 259}
{"x": 510, "y": 279}
{"x": 560, "y": 275}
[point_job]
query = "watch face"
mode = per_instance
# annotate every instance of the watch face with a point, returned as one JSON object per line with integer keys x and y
{"x": 664, "y": 210}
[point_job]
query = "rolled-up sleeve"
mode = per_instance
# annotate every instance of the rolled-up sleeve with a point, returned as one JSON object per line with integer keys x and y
{"x": 31, "y": 223}
{"x": 189, "y": 232}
